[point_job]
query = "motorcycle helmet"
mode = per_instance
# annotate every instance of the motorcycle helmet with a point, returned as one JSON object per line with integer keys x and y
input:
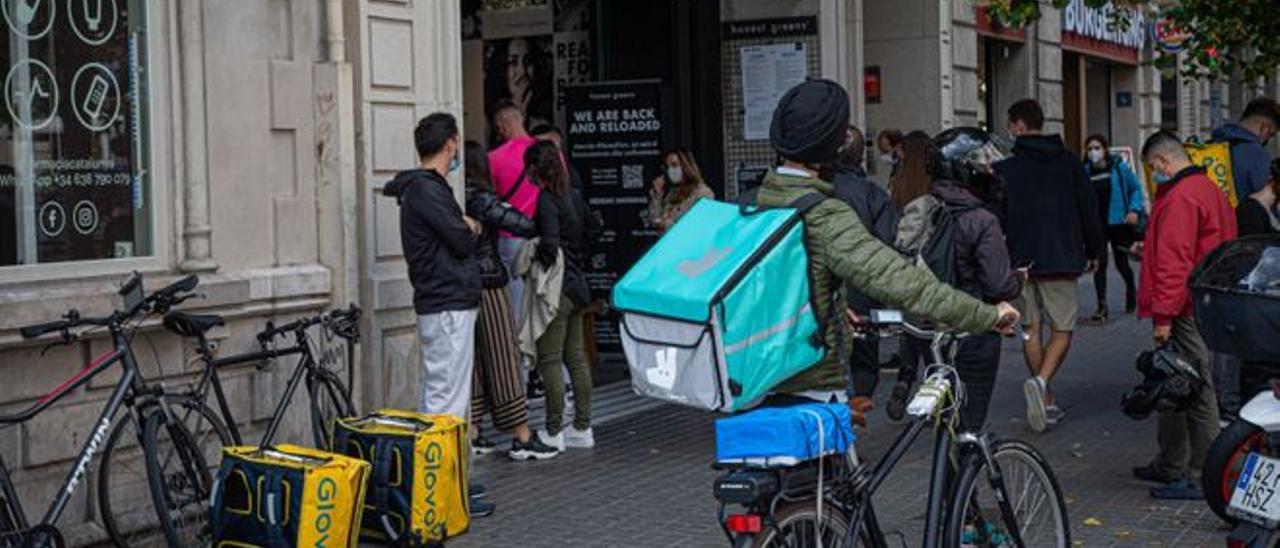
{"x": 1170, "y": 382}
{"x": 968, "y": 154}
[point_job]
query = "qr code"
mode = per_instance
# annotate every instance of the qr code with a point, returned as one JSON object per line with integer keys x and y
{"x": 632, "y": 176}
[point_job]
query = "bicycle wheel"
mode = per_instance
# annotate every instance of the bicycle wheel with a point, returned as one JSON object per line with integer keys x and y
{"x": 798, "y": 526}
{"x": 124, "y": 501}
{"x": 180, "y": 481}
{"x": 1032, "y": 491}
{"x": 330, "y": 401}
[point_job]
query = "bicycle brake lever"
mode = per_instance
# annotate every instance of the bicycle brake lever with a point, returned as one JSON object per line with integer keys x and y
{"x": 65, "y": 339}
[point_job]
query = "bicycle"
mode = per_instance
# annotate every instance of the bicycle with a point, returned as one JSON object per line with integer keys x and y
{"x": 797, "y": 506}
{"x": 177, "y": 479}
{"x": 212, "y": 430}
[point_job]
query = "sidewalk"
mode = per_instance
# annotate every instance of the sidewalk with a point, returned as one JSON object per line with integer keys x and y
{"x": 648, "y": 483}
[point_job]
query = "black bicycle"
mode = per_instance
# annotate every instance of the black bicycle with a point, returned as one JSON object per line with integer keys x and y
{"x": 177, "y": 482}
{"x": 128, "y": 525}
{"x": 983, "y": 492}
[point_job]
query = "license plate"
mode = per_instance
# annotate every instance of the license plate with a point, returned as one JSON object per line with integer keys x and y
{"x": 1255, "y": 497}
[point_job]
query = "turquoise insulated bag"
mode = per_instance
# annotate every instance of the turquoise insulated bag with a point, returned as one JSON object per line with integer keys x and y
{"x": 718, "y": 312}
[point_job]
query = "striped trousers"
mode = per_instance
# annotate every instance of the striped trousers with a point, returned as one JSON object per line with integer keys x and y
{"x": 497, "y": 385}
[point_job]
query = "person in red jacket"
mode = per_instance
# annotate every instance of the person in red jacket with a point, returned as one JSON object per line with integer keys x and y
{"x": 1190, "y": 218}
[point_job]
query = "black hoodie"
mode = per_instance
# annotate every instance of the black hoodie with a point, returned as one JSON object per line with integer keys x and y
{"x": 438, "y": 245}
{"x": 1050, "y": 211}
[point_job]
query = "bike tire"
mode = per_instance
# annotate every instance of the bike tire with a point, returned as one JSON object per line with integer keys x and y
{"x": 795, "y": 525}
{"x": 136, "y": 528}
{"x": 179, "y": 479}
{"x": 1224, "y": 461}
{"x": 330, "y": 401}
{"x": 973, "y": 475}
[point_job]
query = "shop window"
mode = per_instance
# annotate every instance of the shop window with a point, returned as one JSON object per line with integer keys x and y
{"x": 74, "y": 182}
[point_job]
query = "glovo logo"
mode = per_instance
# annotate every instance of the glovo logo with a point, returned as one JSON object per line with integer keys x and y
{"x": 326, "y": 494}
{"x": 434, "y": 522}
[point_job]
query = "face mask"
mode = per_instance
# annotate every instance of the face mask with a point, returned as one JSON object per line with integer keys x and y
{"x": 675, "y": 174}
{"x": 1159, "y": 178}
{"x": 455, "y": 162}
{"x": 888, "y": 159}
{"x": 1095, "y": 156}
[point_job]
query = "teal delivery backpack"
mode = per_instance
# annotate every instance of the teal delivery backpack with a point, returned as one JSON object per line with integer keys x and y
{"x": 718, "y": 312}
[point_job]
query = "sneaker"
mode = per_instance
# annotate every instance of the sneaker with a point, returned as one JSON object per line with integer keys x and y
{"x": 481, "y": 509}
{"x": 1033, "y": 389}
{"x": 483, "y": 446}
{"x": 555, "y": 442}
{"x": 1178, "y": 490}
{"x": 534, "y": 389}
{"x": 1100, "y": 317}
{"x": 1053, "y": 414}
{"x": 579, "y": 439}
{"x": 533, "y": 449}
{"x": 897, "y": 406}
{"x": 1152, "y": 474}
{"x": 476, "y": 491}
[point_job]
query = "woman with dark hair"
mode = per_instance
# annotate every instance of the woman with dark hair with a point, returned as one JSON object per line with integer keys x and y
{"x": 677, "y": 189}
{"x": 1120, "y": 207}
{"x": 889, "y": 145}
{"x": 562, "y": 236}
{"x": 497, "y": 387}
{"x": 1257, "y": 214}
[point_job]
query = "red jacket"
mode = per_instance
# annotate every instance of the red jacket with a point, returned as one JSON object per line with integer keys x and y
{"x": 1190, "y": 218}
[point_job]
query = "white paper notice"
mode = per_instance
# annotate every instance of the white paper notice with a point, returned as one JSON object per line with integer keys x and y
{"x": 767, "y": 73}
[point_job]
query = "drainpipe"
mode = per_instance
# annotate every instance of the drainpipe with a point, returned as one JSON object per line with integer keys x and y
{"x": 334, "y": 36}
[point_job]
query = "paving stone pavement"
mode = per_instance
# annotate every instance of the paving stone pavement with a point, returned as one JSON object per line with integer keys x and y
{"x": 648, "y": 482}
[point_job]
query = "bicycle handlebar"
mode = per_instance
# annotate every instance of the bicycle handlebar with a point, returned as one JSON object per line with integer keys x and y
{"x": 160, "y": 300}
{"x": 343, "y": 322}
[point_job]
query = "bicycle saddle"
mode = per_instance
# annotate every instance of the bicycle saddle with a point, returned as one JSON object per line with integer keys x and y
{"x": 191, "y": 325}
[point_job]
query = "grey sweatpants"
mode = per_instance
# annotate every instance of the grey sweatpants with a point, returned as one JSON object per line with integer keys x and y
{"x": 448, "y": 360}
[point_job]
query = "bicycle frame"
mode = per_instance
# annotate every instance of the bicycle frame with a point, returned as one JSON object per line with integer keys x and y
{"x": 129, "y": 386}
{"x": 210, "y": 377}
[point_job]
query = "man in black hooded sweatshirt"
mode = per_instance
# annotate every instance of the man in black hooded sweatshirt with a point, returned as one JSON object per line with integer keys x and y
{"x": 1052, "y": 225}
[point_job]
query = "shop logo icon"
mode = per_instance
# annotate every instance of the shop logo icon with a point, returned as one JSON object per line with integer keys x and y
{"x": 53, "y": 219}
{"x": 31, "y": 94}
{"x": 663, "y": 373}
{"x": 95, "y": 96}
{"x": 94, "y": 21}
{"x": 85, "y": 217}
{"x": 28, "y": 19}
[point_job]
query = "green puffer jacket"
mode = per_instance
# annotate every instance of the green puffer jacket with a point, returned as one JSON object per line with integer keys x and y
{"x": 841, "y": 248}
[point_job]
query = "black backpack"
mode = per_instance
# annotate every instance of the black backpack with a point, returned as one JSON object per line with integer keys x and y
{"x": 939, "y": 250}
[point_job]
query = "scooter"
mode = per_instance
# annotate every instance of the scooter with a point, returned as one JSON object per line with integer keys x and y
{"x": 1241, "y": 475}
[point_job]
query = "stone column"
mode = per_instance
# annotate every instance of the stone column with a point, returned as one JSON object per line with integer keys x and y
{"x": 196, "y": 231}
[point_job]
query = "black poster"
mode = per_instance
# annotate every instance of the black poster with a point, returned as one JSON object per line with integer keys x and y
{"x": 72, "y": 128}
{"x": 615, "y": 139}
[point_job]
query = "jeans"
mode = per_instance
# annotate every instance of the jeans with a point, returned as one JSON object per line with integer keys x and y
{"x": 562, "y": 345}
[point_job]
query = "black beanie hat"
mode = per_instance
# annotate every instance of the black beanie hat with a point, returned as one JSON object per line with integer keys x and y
{"x": 810, "y": 122}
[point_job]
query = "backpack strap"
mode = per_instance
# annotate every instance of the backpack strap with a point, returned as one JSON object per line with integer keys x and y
{"x": 515, "y": 187}
{"x": 807, "y": 202}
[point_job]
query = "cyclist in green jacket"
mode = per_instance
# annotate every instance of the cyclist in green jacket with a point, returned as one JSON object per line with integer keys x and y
{"x": 808, "y": 130}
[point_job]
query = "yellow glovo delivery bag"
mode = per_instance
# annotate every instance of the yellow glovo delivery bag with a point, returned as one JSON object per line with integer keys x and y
{"x": 1215, "y": 158}
{"x": 418, "y": 492}
{"x": 285, "y": 496}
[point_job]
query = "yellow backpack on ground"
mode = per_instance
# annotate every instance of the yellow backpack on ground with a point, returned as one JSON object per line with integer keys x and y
{"x": 418, "y": 493}
{"x": 1215, "y": 158}
{"x": 285, "y": 496}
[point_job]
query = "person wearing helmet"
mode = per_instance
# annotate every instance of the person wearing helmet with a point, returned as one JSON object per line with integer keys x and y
{"x": 808, "y": 129}
{"x": 963, "y": 244}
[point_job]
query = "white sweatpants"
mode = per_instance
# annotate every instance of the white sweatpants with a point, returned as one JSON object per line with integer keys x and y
{"x": 448, "y": 357}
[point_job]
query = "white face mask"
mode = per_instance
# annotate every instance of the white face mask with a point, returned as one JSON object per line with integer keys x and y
{"x": 1095, "y": 156}
{"x": 675, "y": 174}
{"x": 888, "y": 159}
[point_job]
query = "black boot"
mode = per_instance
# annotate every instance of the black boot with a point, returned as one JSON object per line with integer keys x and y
{"x": 1101, "y": 315}
{"x": 1130, "y": 301}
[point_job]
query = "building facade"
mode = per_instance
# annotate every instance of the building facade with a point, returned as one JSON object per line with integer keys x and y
{"x": 247, "y": 141}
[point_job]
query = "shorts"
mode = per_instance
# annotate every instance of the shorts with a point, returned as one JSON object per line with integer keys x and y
{"x": 1051, "y": 300}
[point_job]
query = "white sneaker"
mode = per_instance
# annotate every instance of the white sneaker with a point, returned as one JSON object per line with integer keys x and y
{"x": 580, "y": 439}
{"x": 556, "y": 441}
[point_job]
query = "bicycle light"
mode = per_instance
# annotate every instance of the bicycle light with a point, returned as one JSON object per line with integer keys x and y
{"x": 744, "y": 523}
